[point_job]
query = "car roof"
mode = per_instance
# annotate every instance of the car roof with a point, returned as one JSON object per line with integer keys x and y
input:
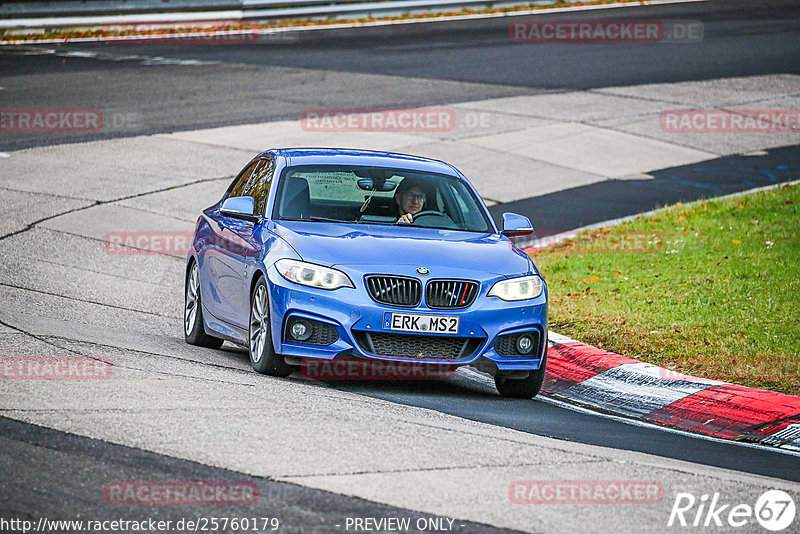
{"x": 367, "y": 158}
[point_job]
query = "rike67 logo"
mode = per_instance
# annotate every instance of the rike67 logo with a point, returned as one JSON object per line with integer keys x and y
{"x": 774, "y": 510}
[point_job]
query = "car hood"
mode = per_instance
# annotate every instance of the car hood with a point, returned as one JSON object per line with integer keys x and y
{"x": 371, "y": 245}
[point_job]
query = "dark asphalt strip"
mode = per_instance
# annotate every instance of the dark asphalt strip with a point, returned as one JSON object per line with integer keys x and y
{"x": 474, "y": 400}
{"x": 57, "y": 475}
{"x": 137, "y": 99}
{"x": 426, "y": 64}
{"x": 611, "y": 199}
{"x": 739, "y": 38}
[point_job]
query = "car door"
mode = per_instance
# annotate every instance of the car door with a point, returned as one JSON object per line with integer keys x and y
{"x": 221, "y": 282}
{"x": 236, "y": 247}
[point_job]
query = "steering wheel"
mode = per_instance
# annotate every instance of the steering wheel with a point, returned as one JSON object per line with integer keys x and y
{"x": 428, "y": 213}
{"x": 438, "y": 219}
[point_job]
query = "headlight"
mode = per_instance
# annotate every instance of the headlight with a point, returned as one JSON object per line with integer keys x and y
{"x": 312, "y": 275}
{"x": 522, "y": 288}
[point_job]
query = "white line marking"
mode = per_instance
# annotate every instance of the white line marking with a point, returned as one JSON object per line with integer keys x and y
{"x": 4, "y": 155}
{"x": 101, "y": 56}
{"x": 77, "y": 53}
{"x": 486, "y": 379}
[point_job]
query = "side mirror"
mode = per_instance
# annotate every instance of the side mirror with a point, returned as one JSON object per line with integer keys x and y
{"x": 516, "y": 225}
{"x": 240, "y": 208}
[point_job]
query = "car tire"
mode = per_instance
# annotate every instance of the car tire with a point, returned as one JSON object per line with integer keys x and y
{"x": 263, "y": 357}
{"x": 521, "y": 388}
{"x": 193, "y": 331}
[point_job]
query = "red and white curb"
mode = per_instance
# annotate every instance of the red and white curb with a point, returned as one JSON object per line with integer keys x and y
{"x": 608, "y": 382}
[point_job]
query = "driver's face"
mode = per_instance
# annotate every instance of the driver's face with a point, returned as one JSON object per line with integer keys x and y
{"x": 412, "y": 200}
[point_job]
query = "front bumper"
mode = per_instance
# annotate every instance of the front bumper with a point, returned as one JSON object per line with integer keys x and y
{"x": 357, "y": 318}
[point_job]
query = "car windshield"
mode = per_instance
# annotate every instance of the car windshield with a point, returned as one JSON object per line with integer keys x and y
{"x": 378, "y": 195}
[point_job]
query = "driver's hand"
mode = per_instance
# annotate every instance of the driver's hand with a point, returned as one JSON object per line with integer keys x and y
{"x": 406, "y": 219}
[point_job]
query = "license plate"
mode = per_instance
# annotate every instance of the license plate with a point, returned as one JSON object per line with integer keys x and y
{"x": 407, "y": 322}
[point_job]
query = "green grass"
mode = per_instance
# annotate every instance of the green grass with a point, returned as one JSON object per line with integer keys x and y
{"x": 709, "y": 288}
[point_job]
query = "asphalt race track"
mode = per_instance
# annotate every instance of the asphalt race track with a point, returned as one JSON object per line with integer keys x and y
{"x": 74, "y": 467}
{"x": 322, "y": 452}
{"x": 392, "y": 67}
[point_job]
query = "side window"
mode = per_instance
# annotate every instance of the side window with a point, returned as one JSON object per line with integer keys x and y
{"x": 259, "y": 183}
{"x": 238, "y": 187}
{"x": 254, "y": 182}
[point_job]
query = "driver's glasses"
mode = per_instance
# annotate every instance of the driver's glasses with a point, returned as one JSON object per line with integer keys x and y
{"x": 415, "y": 196}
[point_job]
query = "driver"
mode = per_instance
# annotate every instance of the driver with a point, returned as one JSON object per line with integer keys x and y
{"x": 410, "y": 199}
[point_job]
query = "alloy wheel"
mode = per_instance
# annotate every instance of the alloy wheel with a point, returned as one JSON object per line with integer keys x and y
{"x": 192, "y": 300}
{"x": 259, "y": 316}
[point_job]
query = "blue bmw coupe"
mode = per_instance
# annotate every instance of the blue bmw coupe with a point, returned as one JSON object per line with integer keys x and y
{"x": 331, "y": 253}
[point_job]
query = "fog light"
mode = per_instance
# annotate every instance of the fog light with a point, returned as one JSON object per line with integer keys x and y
{"x": 301, "y": 330}
{"x": 524, "y": 344}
